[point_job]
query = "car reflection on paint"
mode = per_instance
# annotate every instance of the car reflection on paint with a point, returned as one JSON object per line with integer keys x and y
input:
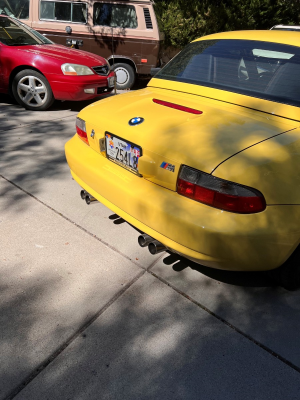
{"x": 217, "y": 174}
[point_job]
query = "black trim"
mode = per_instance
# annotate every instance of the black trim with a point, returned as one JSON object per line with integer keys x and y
{"x": 105, "y": 89}
{"x": 101, "y": 69}
{"x": 148, "y": 20}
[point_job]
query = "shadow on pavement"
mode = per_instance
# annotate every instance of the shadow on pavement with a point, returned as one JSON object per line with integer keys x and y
{"x": 56, "y": 106}
{"x": 154, "y": 344}
{"x": 151, "y": 343}
{"x": 236, "y": 278}
{"x": 32, "y": 153}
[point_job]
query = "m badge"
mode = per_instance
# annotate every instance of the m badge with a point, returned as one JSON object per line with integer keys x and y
{"x": 167, "y": 166}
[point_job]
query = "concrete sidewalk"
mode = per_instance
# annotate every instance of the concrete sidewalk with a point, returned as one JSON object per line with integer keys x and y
{"x": 85, "y": 313}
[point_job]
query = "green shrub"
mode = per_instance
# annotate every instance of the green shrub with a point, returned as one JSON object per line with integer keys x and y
{"x": 183, "y": 21}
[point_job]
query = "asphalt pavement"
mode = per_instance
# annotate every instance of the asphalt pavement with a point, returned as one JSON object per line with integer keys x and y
{"x": 85, "y": 313}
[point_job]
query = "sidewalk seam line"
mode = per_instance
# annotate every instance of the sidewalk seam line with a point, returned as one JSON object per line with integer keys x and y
{"x": 155, "y": 261}
{"x": 72, "y": 338}
{"x": 234, "y": 328}
{"x": 75, "y": 224}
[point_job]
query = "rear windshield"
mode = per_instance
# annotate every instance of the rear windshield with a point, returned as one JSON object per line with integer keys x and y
{"x": 259, "y": 69}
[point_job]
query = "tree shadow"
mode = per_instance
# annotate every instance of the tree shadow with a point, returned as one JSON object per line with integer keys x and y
{"x": 33, "y": 152}
{"x": 152, "y": 343}
{"x": 32, "y": 143}
{"x": 58, "y": 105}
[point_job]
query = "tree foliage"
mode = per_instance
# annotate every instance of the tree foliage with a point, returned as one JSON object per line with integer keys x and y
{"x": 185, "y": 20}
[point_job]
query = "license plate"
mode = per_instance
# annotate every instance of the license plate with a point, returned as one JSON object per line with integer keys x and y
{"x": 111, "y": 81}
{"x": 122, "y": 152}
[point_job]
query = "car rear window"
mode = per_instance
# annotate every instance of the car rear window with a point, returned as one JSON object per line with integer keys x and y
{"x": 266, "y": 70}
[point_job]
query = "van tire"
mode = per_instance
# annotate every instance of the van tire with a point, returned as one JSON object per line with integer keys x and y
{"x": 125, "y": 76}
{"x": 30, "y": 82}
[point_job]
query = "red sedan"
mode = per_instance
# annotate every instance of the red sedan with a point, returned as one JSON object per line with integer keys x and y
{"x": 36, "y": 71}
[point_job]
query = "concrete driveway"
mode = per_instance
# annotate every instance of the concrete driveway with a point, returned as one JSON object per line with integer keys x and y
{"x": 85, "y": 313}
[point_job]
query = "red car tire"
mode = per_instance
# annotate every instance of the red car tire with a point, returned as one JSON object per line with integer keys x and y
{"x": 32, "y": 90}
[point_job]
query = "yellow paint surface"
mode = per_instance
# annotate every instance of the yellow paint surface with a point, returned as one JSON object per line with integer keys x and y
{"x": 239, "y": 138}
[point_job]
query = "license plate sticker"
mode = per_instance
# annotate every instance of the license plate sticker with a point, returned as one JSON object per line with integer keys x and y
{"x": 122, "y": 152}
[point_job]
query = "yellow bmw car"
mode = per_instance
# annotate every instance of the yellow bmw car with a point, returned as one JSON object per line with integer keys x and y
{"x": 205, "y": 160}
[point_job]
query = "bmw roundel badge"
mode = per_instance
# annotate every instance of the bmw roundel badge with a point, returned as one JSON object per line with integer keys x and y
{"x": 135, "y": 121}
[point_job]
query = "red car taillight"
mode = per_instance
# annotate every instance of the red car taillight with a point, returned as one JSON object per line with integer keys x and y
{"x": 81, "y": 130}
{"x": 218, "y": 193}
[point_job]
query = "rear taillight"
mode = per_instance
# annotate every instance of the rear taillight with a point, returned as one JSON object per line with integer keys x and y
{"x": 218, "y": 193}
{"x": 81, "y": 130}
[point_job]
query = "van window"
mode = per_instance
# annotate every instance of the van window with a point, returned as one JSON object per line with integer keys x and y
{"x": 63, "y": 11}
{"x": 115, "y": 15}
{"x": 15, "y": 8}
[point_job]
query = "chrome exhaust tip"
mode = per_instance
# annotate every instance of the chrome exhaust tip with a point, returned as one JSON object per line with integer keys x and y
{"x": 144, "y": 240}
{"x": 156, "y": 247}
{"x": 89, "y": 199}
{"x": 83, "y": 193}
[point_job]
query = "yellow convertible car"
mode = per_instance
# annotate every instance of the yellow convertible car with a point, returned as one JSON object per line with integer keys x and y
{"x": 205, "y": 161}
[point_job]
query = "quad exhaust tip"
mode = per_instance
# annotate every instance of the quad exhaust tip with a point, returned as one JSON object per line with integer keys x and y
{"x": 144, "y": 240}
{"x": 156, "y": 247}
{"x": 83, "y": 193}
{"x": 87, "y": 197}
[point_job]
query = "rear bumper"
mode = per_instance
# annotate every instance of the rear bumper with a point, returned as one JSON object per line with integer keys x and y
{"x": 72, "y": 87}
{"x": 210, "y": 237}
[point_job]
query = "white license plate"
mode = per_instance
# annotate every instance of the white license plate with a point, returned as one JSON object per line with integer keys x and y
{"x": 111, "y": 81}
{"x": 122, "y": 152}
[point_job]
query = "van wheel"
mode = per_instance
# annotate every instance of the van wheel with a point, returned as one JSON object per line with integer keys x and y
{"x": 125, "y": 75}
{"x": 32, "y": 90}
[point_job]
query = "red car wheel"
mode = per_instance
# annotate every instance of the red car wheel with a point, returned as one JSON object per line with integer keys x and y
{"x": 32, "y": 90}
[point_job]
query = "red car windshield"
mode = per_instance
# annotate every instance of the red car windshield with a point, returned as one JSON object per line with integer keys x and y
{"x": 13, "y": 33}
{"x": 265, "y": 70}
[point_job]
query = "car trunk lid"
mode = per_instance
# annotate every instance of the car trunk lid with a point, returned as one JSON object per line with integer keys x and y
{"x": 170, "y": 137}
